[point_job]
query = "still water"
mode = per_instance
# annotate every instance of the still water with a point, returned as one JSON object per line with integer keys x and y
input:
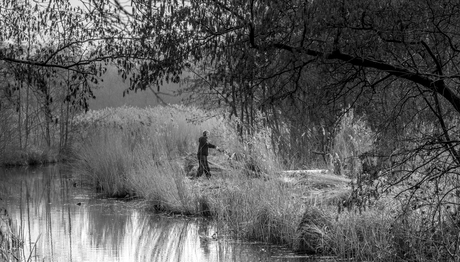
{"x": 62, "y": 220}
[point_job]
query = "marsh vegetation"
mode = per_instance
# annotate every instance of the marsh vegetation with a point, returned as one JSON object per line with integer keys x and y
{"x": 145, "y": 153}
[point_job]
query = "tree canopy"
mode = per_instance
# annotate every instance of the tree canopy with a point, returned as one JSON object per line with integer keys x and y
{"x": 297, "y": 66}
{"x": 305, "y": 63}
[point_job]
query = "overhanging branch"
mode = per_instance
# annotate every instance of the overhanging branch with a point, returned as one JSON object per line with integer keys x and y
{"x": 437, "y": 85}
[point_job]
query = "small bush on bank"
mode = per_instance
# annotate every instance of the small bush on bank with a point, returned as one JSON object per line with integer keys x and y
{"x": 354, "y": 138}
{"x": 421, "y": 235}
{"x": 312, "y": 231}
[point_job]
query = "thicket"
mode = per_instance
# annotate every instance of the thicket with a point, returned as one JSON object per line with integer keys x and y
{"x": 36, "y": 112}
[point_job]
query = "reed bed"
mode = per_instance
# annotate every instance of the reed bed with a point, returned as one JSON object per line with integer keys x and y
{"x": 131, "y": 151}
{"x": 141, "y": 152}
{"x": 362, "y": 236}
{"x": 257, "y": 210}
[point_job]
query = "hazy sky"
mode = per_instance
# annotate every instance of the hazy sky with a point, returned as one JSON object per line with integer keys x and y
{"x": 110, "y": 94}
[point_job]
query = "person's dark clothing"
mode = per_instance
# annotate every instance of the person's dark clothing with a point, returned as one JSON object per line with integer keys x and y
{"x": 204, "y": 145}
{"x": 203, "y": 166}
{"x": 203, "y": 156}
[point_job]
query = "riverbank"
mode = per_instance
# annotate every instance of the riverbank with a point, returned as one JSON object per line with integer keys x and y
{"x": 298, "y": 210}
{"x": 279, "y": 209}
{"x": 150, "y": 154}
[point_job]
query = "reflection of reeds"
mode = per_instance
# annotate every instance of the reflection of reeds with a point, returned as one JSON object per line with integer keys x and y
{"x": 144, "y": 238}
{"x": 35, "y": 190}
{"x": 11, "y": 245}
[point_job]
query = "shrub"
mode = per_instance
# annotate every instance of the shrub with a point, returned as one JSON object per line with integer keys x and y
{"x": 353, "y": 139}
{"x": 312, "y": 231}
{"x": 420, "y": 235}
{"x": 31, "y": 156}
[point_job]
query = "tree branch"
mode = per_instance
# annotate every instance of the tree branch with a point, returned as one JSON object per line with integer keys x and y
{"x": 437, "y": 85}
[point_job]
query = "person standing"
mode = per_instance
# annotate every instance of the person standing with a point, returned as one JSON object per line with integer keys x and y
{"x": 202, "y": 154}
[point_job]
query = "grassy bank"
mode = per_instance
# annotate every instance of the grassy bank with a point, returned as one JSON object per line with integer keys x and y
{"x": 146, "y": 153}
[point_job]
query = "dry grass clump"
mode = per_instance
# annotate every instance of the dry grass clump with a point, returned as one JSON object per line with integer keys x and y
{"x": 365, "y": 236}
{"x": 311, "y": 234}
{"x": 387, "y": 231}
{"x": 105, "y": 160}
{"x": 255, "y": 209}
{"x": 161, "y": 183}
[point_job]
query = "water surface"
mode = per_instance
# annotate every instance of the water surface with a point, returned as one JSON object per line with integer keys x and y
{"x": 60, "y": 219}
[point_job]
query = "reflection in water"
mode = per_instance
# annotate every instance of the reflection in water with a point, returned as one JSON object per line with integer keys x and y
{"x": 61, "y": 222}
